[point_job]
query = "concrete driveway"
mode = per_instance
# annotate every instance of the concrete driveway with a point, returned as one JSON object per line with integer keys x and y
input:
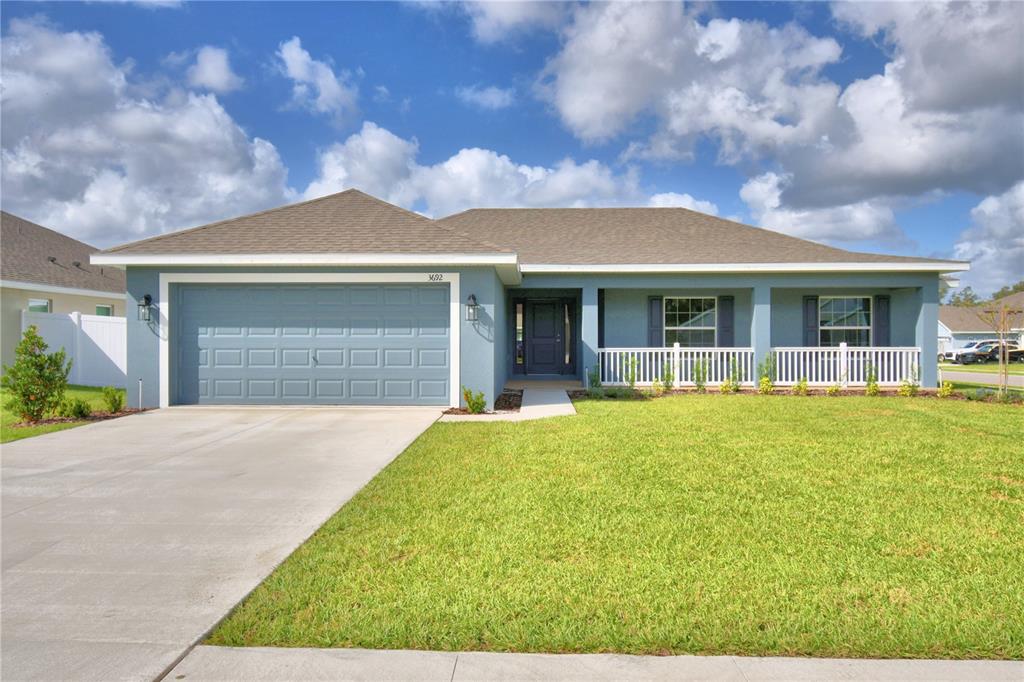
{"x": 126, "y": 541}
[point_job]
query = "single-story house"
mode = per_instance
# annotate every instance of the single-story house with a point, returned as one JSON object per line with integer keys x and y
{"x": 347, "y": 299}
{"x": 959, "y": 325}
{"x": 44, "y": 271}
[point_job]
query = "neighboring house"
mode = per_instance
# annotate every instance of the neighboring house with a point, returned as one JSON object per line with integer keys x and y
{"x": 44, "y": 271}
{"x": 959, "y": 325}
{"x": 348, "y": 299}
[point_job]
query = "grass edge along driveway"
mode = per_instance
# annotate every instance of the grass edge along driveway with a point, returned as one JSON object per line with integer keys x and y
{"x": 749, "y": 525}
{"x": 91, "y": 394}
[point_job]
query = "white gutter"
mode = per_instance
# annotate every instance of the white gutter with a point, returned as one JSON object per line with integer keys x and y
{"x": 939, "y": 266}
{"x": 52, "y": 289}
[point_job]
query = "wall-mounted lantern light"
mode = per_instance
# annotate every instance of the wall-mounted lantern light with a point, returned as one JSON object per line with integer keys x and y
{"x": 472, "y": 309}
{"x": 145, "y": 308}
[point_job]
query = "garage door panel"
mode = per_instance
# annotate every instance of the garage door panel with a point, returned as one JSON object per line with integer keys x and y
{"x": 280, "y": 344}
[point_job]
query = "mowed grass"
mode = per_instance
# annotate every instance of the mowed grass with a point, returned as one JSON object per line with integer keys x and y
{"x": 91, "y": 394}
{"x": 863, "y": 527}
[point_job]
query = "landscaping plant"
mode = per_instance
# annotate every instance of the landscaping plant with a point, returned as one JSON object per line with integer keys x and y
{"x": 475, "y": 402}
{"x": 832, "y": 390}
{"x": 766, "y": 372}
{"x": 731, "y": 384}
{"x": 945, "y": 390}
{"x": 113, "y": 398}
{"x": 700, "y": 375}
{"x": 74, "y": 408}
{"x": 594, "y": 378}
{"x": 800, "y": 387}
{"x": 631, "y": 373}
{"x": 668, "y": 377}
{"x": 910, "y": 387}
{"x": 37, "y": 379}
{"x": 872, "y": 384}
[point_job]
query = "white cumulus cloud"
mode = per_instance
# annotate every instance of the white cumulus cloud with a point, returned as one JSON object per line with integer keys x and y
{"x": 490, "y": 97}
{"x": 212, "y": 71}
{"x": 676, "y": 200}
{"x": 995, "y": 241}
{"x": 84, "y": 155}
{"x": 315, "y": 85}
{"x": 493, "y": 22}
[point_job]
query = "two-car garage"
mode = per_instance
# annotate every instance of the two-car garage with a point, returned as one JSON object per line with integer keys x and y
{"x": 334, "y": 343}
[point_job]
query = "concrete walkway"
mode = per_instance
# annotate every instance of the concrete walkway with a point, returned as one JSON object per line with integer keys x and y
{"x": 256, "y": 664}
{"x": 538, "y": 403}
{"x": 125, "y": 541}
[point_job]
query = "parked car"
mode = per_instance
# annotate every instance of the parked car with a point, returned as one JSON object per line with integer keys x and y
{"x": 971, "y": 349}
{"x": 1016, "y": 355}
{"x": 985, "y": 352}
{"x": 1013, "y": 354}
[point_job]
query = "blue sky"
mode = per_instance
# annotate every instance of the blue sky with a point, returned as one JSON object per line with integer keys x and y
{"x": 831, "y": 123}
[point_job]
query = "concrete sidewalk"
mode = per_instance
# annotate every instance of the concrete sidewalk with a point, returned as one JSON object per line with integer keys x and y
{"x": 538, "y": 403}
{"x": 224, "y": 663}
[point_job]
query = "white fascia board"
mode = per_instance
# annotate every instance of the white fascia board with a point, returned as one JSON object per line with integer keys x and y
{"x": 942, "y": 266}
{"x": 51, "y": 289}
{"x": 306, "y": 259}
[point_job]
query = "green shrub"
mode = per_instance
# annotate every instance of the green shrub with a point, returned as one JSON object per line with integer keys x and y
{"x": 729, "y": 386}
{"x": 832, "y": 390}
{"x": 700, "y": 375}
{"x": 872, "y": 388}
{"x": 631, "y": 372}
{"x": 475, "y": 402}
{"x": 979, "y": 394}
{"x": 765, "y": 386}
{"x": 37, "y": 379}
{"x": 74, "y": 408}
{"x": 594, "y": 378}
{"x": 945, "y": 390}
{"x": 668, "y": 377}
{"x": 113, "y": 398}
{"x": 910, "y": 387}
{"x": 800, "y": 387}
{"x": 766, "y": 375}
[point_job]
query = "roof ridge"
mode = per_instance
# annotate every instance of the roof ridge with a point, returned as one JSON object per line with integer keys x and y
{"x": 254, "y": 214}
{"x": 435, "y": 221}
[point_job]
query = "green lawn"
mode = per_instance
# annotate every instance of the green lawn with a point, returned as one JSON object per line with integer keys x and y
{"x": 7, "y": 433}
{"x": 987, "y": 368}
{"x": 864, "y": 527}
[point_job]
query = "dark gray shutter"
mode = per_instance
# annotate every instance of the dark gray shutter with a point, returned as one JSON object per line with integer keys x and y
{"x": 811, "y": 321}
{"x": 600, "y": 318}
{"x": 880, "y": 327}
{"x": 655, "y": 322}
{"x": 726, "y": 322}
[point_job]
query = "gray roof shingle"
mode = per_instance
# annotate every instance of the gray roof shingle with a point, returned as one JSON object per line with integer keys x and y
{"x": 972, "y": 319}
{"x": 25, "y": 251}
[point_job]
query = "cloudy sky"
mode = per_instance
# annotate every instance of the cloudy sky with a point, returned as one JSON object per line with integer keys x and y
{"x": 883, "y": 127}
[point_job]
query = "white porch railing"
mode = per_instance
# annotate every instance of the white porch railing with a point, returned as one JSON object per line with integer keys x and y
{"x": 846, "y": 365}
{"x": 719, "y": 363}
{"x": 843, "y": 365}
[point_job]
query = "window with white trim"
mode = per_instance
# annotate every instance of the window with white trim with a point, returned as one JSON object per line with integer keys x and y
{"x": 39, "y": 305}
{"x": 844, "y": 319}
{"x": 691, "y": 322}
{"x": 104, "y": 310}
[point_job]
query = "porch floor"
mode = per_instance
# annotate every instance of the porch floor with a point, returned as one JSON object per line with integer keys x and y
{"x": 560, "y": 384}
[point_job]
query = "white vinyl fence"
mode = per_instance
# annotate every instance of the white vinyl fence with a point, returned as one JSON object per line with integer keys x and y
{"x": 719, "y": 364}
{"x": 846, "y": 365}
{"x": 96, "y": 345}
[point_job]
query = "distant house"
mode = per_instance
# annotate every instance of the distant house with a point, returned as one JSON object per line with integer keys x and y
{"x": 44, "y": 271}
{"x": 959, "y": 325}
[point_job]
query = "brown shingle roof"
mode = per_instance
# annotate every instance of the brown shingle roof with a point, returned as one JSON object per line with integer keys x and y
{"x": 967, "y": 319}
{"x": 25, "y": 251}
{"x": 346, "y": 222}
{"x": 354, "y": 222}
{"x": 644, "y": 235}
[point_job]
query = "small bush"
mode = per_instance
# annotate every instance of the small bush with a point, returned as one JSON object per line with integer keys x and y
{"x": 113, "y": 398}
{"x": 1009, "y": 397}
{"x": 631, "y": 372}
{"x": 907, "y": 389}
{"x": 945, "y": 390}
{"x": 594, "y": 378}
{"x": 765, "y": 386}
{"x": 979, "y": 394}
{"x": 729, "y": 386}
{"x": 475, "y": 402}
{"x": 700, "y": 376}
{"x": 74, "y": 408}
{"x": 766, "y": 375}
{"x": 832, "y": 390}
{"x": 872, "y": 388}
{"x": 668, "y": 377}
{"x": 37, "y": 379}
{"x": 800, "y": 387}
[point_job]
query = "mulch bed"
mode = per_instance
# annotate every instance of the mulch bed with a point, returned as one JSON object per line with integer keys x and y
{"x": 94, "y": 417}
{"x": 510, "y": 400}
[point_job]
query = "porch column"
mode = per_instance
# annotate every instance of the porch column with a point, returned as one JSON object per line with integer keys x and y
{"x": 925, "y": 335}
{"x": 588, "y": 329}
{"x": 761, "y": 324}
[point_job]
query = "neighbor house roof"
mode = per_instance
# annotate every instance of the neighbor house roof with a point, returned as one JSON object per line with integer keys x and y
{"x": 353, "y": 227}
{"x": 35, "y": 255}
{"x": 973, "y": 319}
{"x": 346, "y": 222}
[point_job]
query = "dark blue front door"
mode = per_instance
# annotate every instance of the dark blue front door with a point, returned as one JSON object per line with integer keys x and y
{"x": 545, "y": 341}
